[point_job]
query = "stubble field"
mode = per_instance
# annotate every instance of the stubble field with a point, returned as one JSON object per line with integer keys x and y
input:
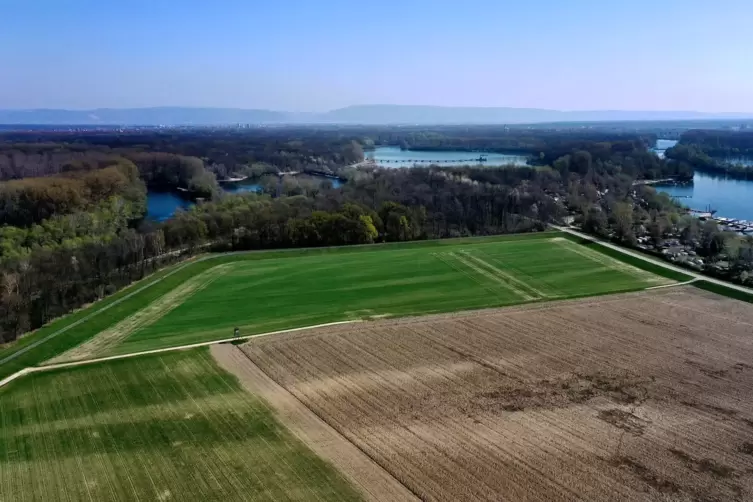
{"x": 642, "y": 396}
{"x": 280, "y": 292}
{"x": 163, "y": 428}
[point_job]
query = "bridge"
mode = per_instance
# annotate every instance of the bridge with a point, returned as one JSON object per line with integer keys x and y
{"x": 420, "y": 161}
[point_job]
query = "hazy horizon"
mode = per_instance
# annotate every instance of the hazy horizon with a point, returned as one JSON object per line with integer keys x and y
{"x": 299, "y": 56}
{"x": 357, "y": 105}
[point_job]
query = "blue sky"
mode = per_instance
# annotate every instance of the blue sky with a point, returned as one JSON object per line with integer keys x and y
{"x": 314, "y": 55}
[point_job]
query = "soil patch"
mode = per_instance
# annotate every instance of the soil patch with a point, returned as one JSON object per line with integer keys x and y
{"x": 586, "y": 400}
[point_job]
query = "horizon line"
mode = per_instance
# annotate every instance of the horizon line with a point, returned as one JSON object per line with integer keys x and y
{"x": 449, "y": 107}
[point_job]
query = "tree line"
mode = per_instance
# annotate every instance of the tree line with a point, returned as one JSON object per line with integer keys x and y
{"x": 92, "y": 239}
{"x": 721, "y": 152}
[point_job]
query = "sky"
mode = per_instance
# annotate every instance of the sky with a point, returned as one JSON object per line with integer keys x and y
{"x": 317, "y": 55}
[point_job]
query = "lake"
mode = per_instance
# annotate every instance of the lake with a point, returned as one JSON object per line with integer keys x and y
{"x": 730, "y": 197}
{"x": 392, "y": 156}
{"x": 161, "y": 206}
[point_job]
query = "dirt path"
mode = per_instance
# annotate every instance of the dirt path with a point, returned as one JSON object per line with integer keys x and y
{"x": 376, "y": 483}
{"x": 47, "y": 367}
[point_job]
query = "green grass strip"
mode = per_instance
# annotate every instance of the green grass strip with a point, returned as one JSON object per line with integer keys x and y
{"x": 648, "y": 266}
{"x": 724, "y": 291}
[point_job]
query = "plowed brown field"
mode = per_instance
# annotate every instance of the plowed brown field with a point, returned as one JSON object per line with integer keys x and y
{"x": 645, "y": 396}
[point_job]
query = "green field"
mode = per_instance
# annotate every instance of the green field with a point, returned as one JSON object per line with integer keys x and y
{"x": 67, "y": 332}
{"x": 271, "y": 290}
{"x": 268, "y": 294}
{"x": 176, "y": 427}
{"x": 155, "y": 428}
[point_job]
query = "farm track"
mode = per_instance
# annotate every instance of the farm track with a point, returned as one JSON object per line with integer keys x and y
{"x": 641, "y": 396}
{"x": 375, "y": 483}
{"x": 48, "y": 367}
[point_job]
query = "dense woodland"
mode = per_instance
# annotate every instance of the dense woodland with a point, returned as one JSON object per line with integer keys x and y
{"x": 715, "y": 151}
{"x": 72, "y": 226}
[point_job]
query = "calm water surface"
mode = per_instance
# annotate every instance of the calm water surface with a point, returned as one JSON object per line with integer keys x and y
{"x": 662, "y": 145}
{"x": 161, "y": 206}
{"x": 730, "y": 197}
{"x": 392, "y": 156}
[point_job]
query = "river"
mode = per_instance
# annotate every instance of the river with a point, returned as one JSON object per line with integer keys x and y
{"x": 730, "y": 197}
{"x": 662, "y": 145}
{"x": 392, "y": 156}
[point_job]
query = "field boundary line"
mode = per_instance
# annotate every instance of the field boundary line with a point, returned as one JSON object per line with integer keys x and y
{"x": 50, "y": 367}
{"x": 467, "y": 260}
{"x": 509, "y": 277}
{"x": 453, "y": 262}
{"x": 691, "y": 281}
{"x": 519, "y": 274}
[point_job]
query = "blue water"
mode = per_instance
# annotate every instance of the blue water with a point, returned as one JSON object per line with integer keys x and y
{"x": 161, "y": 206}
{"x": 662, "y": 145}
{"x": 392, "y": 156}
{"x": 730, "y": 197}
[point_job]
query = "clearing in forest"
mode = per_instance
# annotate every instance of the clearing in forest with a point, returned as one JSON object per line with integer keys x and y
{"x": 275, "y": 291}
{"x": 633, "y": 397}
{"x": 172, "y": 427}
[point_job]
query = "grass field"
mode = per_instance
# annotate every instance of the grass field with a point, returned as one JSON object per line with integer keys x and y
{"x": 158, "y": 428}
{"x": 67, "y": 332}
{"x": 636, "y": 397}
{"x": 272, "y": 293}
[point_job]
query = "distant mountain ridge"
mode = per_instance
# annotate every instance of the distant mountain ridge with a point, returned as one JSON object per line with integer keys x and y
{"x": 359, "y": 114}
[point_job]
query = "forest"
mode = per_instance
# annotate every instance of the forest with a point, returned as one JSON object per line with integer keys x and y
{"x": 72, "y": 204}
{"x": 716, "y": 151}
